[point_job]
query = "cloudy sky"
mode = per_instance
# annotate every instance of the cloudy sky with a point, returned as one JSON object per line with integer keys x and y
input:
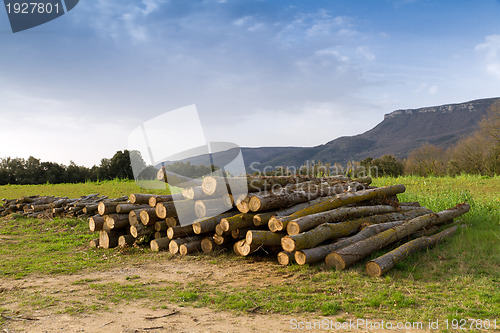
{"x": 260, "y": 72}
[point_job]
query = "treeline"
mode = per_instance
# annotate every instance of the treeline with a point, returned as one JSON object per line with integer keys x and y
{"x": 33, "y": 171}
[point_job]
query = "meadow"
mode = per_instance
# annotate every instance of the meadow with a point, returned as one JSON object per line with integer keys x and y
{"x": 457, "y": 279}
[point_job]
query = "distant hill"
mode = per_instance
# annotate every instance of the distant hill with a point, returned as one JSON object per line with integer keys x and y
{"x": 399, "y": 133}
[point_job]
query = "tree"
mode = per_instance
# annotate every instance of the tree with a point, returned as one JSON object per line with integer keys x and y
{"x": 120, "y": 166}
{"x": 426, "y": 161}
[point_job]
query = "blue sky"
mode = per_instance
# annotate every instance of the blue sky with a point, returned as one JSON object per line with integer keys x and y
{"x": 261, "y": 73}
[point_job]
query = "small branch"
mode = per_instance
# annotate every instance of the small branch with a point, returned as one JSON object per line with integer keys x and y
{"x": 159, "y": 317}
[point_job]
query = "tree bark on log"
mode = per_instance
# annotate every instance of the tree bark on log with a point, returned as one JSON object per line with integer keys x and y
{"x": 237, "y": 222}
{"x": 210, "y": 207}
{"x": 309, "y": 222}
{"x": 222, "y": 239}
{"x": 285, "y": 258}
{"x": 280, "y": 223}
{"x": 382, "y": 264}
{"x": 159, "y": 244}
{"x": 180, "y": 231}
{"x": 161, "y": 225}
{"x": 260, "y": 203}
{"x": 171, "y": 209}
{"x": 109, "y": 239}
{"x": 173, "y": 247}
{"x": 315, "y": 254}
{"x": 127, "y": 208}
{"x": 140, "y": 198}
{"x": 148, "y": 216}
{"x": 141, "y": 230}
{"x": 160, "y": 234}
{"x": 348, "y": 255}
{"x": 116, "y": 221}
{"x": 263, "y": 238}
{"x": 125, "y": 240}
{"x": 190, "y": 248}
{"x": 202, "y": 226}
{"x": 96, "y": 223}
{"x": 154, "y": 200}
{"x": 106, "y": 208}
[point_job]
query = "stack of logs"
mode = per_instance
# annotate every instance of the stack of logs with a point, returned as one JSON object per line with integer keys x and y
{"x": 300, "y": 219}
{"x": 44, "y": 207}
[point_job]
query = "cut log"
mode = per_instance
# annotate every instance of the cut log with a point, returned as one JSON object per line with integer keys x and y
{"x": 89, "y": 209}
{"x": 280, "y": 223}
{"x": 154, "y": 200}
{"x": 238, "y": 234}
{"x": 148, "y": 216}
{"x": 316, "y": 254}
{"x": 262, "y": 218}
{"x": 195, "y": 193}
{"x": 172, "y": 221}
{"x": 174, "y": 179}
{"x": 109, "y": 239}
{"x": 237, "y": 222}
{"x": 350, "y": 254}
{"x": 215, "y": 186}
{"x": 213, "y": 207}
{"x": 247, "y": 249}
{"x": 140, "y": 198}
{"x": 125, "y": 240}
{"x": 260, "y": 203}
{"x": 242, "y": 204}
{"x": 309, "y": 222}
{"x": 238, "y": 246}
{"x": 180, "y": 231}
{"x": 123, "y": 208}
{"x": 116, "y": 221}
{"x": 159, "y": 244}
{"x": 219, "y": 231}
{"x": 171, "y": 209}
{"x": 173, "y": 247}
{"x": 208, "y": 245}
{"x": 161, "y": 225}
{"x": 204, "y": 225}
{"x": 141, "y": 230}
{"x": 160, "y": 234}
{"x": 263, "y": 238}
{"x": 190, "y": 248}
{"x": 96, "y": 223}
{"x": 224, "y": 239}
{"x": 133, "y": 217}
{"x": 285, "y": 258}
{"x": 94, "y": 243}
{"x": 105, "y": 208}
{"x": 382, "y": 264}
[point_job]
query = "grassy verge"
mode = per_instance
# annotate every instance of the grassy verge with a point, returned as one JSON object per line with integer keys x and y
{"x": 456, "y": 279}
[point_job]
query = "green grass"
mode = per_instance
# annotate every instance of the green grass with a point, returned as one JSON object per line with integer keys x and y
{"x": 456, "y": 279}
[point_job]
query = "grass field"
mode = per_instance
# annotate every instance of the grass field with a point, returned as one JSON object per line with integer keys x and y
{"x": 457, "y": 279}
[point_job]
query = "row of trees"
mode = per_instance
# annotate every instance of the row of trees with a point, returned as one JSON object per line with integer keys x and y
{"x": 33, "y": 171}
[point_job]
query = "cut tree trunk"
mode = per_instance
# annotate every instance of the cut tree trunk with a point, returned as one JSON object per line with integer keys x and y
{"x": 195, "y": 193}
{"x": 109, "y": 239}
{"x": 382, "y": 264}
{"x": 96, "y": 223}
{"x": 173, "y": 247}
{"x": 126, "y": 240}
{"x": 213, "y": 207}
{"x": 285, "y": 258}
{"x": 161, "y": 225}
{"x": 116, "y": 221}
{"x": 94, "y": 243}
{"x": 133, "y": 217}
{"x": 127, "y": 208}
{"x": 106, "y": 208}
{"x": 190, "y": 248}
{"x": 159, "y": 244}
{"x": 171, "y": 209}
{"x": 175, "y": 179}
{"x": 180, "y": 231}
{"x": 160, "y": 234}
{"x": 215, "y": 186}
{"x": 224, "y": 239}
{"x": 348, "y": 255}
{"x": 208, "y": 245}
{"x": 171, "y": 221}
{"x": 280, "y": 223}
{"x": 148, "y": 216}
{"x": 202, "y": 226}
{"x": 260, "y": 203}
{"x": 309, "y": 222}
{"x": 315, "y": 254}
{"x": 263, "y": 237}
{"x": 154, "y": 200}
{"x": 141, "y": 230}
{"x": 140, "y": 198}
{"x": 237, "y": 222}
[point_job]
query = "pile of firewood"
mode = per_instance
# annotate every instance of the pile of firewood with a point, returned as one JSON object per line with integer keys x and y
{"x": 298, "y": 219}
{"x": 44, "y": 207}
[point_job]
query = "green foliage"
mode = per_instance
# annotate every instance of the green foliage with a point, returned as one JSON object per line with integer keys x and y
{"x": 386, "y": 165}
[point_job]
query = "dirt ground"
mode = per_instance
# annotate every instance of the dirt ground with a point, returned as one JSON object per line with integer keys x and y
{"x": 139, "y": 317}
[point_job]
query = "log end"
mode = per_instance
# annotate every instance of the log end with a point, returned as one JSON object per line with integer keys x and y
{"x": 373, "y": 269}
{"x": 224, "y": 225}
{"x": 133, "y": 231}
{"x": 197, "y": 228}
{"x": 300, "y": 257}
{"x": 154, "y": 246}
{"x": 288, "y": 244}
{"x": 183, "y": 250}
{"x": 275, "y": 224}
{"x": 254, "y": 204}
{"x": 173, "y": 247}
{"x": 170, "y": 233}
{"x": 207, "y": 245}
{"x": 144, "y": 216}
{"x": 94, "y": 243}
{"x": 152, "y": 202}
{"x": 101, "y": 208}
{"x": 293, "y": 228}
{"x": 335, "y": 260}
{"x": 132, "y": 198}
{"x": 284, "y": 258}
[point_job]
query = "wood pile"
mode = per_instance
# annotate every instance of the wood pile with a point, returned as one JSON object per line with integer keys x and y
{"x": 44, "y": 207}
{"x": 335, "y": 220}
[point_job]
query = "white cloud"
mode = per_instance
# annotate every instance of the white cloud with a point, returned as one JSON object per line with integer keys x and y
{"x": 490, "y": 50}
